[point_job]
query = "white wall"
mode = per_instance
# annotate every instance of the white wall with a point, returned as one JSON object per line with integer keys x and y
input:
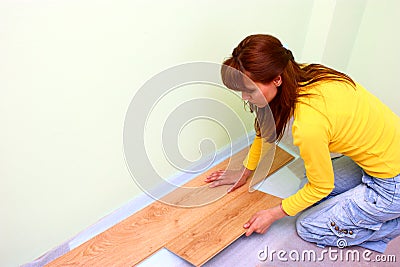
{"x": 68, "y": 71}
{"x": 359, "y": 38}
{"x": 375, "y": 57}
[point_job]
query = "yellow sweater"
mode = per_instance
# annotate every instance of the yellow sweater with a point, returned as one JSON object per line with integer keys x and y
{"x": 343, "y": 119}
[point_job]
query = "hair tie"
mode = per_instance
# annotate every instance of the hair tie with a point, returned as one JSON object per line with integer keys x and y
{"x": 235, "y": 52}
{"x": 289, "y": 53}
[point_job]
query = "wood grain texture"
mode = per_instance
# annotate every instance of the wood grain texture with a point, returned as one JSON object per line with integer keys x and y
{"x": 157, "y": 225}
{"x": 209, "y": 236}
{"x": 203, "y": 240}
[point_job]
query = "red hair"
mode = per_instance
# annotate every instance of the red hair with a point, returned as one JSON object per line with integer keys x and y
{"x": 263, "y": 58}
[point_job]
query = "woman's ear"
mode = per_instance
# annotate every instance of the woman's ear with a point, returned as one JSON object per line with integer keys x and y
{"x": 278, "y": 81}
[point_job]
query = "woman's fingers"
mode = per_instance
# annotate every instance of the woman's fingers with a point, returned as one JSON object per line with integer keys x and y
{"x": 250, "y": 226}
{"x": 260, "y": 222}
{"x": 214, "y": 176}
{"x": 249, "y": 222}
{"x": 220, "y": 181}
{"x": 216, "y": 183}
{"x": 224, "y": 177}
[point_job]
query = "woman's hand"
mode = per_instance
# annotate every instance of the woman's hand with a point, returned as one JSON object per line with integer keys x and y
{"x": 262, "y": 220}
{"x": 235, "y": 177}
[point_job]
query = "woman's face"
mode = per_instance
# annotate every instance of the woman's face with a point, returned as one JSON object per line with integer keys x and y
{"x": 260, "y": 94}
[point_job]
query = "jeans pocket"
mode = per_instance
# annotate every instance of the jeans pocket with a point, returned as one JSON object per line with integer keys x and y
{"x": 353, "y": 222}
{"x": 379, "y": 202}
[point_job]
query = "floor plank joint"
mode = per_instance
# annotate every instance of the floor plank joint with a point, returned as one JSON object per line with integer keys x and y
{"x": 195, "y": 234}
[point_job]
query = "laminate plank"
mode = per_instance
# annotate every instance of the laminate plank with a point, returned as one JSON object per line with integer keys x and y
{"x": 146, "y": 231}
{"x": 203, "y": 240}
{"x": 143, "y": 233}
{"x": 180, "y": 196}
{"x": 209, "y": 236}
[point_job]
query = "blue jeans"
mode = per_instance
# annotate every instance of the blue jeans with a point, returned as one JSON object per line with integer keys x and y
{"x": 362, "y": 210}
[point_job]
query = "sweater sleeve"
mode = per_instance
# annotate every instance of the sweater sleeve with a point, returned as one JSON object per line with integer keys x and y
{"x": 312, "y": 138}
{"x": 257, "y": 149}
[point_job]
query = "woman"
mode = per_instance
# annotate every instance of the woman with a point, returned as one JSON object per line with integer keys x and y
{"x": 358, "y": 204}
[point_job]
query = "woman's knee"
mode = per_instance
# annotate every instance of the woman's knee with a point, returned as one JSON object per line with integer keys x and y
{"x": 312, "y": 224}
{"x": 301, "y": 228}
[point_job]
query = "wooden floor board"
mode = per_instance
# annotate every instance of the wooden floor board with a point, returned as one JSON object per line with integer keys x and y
{"x": 209, "y": 236}
{"x": 158, "y": 225}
